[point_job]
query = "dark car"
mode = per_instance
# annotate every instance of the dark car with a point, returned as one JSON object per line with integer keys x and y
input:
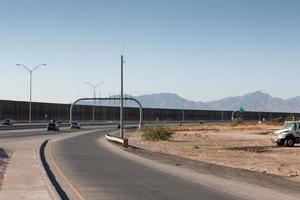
{"x": 56, "y": 121}
{"x": 7, "y": 122}
{"x": 53, "y": 126}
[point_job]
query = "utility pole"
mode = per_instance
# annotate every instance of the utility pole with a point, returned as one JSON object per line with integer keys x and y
{"x": 121, "y": 101}
{"x": 183, "y": 110}
{"x": 30, "y": 93}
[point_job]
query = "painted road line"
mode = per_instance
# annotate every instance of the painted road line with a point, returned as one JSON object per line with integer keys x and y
{"x": 76, "y": 192}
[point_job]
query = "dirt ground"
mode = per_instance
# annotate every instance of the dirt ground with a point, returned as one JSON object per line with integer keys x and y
{"x": 246, "y": 146}
{"x": 3, "y": 163}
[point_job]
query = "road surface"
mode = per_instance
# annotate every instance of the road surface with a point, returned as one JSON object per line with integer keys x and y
{"x": 95, "y": 172}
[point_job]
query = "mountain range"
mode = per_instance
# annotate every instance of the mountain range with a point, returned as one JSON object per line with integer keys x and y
{"x": 256, "y": 101}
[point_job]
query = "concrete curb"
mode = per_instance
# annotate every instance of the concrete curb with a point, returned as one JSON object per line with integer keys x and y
{"x": 46, "y": 178}
{"x": 120, "y": 141}
{"x": 59, "y": 190}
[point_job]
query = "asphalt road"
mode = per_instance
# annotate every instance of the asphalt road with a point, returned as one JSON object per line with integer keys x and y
{"x": 95, "y": 172}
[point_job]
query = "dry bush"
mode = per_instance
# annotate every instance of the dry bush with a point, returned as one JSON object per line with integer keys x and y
{"x": 156, "y": 133}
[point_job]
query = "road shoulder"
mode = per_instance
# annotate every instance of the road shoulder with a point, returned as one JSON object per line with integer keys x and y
{"x": 214, "y": 181}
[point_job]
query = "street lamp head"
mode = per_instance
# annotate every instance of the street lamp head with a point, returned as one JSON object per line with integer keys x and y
{"x": 24, "y": 67}
{"x": 93, "y": 86}
{"x": 31, "y": 70}
{"x": 38, "y": 67}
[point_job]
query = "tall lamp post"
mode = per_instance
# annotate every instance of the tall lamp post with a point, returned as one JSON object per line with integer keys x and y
{"x": 94, "y": 88}
{"x": 30, "y": 72}
{"x": 121, "y": 101}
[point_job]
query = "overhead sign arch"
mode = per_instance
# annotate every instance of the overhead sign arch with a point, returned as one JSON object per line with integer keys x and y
{"x": 109, "y": 99}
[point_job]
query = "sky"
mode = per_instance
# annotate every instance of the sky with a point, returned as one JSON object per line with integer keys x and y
{"x": 201, "y": 50}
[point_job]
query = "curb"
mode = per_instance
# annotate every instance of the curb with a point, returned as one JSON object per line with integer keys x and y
{"x": 48, "y": 182}
{"x": 62, "y": 194}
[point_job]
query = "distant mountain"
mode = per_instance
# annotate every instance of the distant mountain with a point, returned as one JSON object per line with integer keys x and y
{"x": 170, "y": 100}
{"x": 162, "y": 100}
{"x": 256, "y": 101}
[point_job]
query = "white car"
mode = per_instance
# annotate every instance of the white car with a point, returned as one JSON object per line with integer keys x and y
{"x": 75, "y": 125}
{"x": 7, "y": 122}
{"x": 288, "y": 135}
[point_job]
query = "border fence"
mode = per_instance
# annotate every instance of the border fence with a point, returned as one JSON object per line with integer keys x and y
{"x": 19, "y": 111}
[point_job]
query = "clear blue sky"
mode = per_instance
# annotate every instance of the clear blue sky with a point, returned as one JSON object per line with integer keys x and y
{"x": 201, "y": 50}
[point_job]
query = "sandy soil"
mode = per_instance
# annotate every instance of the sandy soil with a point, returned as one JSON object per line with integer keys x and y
{"x": 246, "y": 146}
{"x": 3, "y": 163}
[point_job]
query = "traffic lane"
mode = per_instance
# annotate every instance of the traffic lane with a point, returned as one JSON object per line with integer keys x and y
{"x": 44, "y": 132}
{"x": 44, "y": 125}
{"x": 38, "y": 126}
{"x": 98, "y": 173}
{"x": 34, "y": 132}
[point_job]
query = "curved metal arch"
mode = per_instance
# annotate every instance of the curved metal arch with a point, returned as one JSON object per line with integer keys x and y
{"x": 107, "y": 99}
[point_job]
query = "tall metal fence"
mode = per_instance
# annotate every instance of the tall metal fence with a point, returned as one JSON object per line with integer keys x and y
{"x": 19, "y": 111}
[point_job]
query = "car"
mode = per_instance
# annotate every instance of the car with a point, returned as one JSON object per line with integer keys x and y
{"x": 53, "y": 126}
{"x": 56, "y": 121}
{"x": 75, "y": 125}
{"x": 289, "y": 135}
{"x": 7, "y": 122}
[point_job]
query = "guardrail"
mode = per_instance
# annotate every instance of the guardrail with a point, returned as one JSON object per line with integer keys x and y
{"x": 120, "y": 141}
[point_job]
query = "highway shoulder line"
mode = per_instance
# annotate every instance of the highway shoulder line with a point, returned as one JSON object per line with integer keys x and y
{"x": 65, "y": 183}
{"x": 61, "y": 174}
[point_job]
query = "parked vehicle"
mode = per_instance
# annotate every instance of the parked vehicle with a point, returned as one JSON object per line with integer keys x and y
{"x": 75, "y": 125}
{"x": 288, "y": 135}
{"x": 53, "y": 126}
{"x": 7, "y": 122}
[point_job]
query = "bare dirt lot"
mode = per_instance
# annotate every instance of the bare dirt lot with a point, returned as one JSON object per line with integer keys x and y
{"x": 246, "y": 146}
{"x": 3, "y": 163}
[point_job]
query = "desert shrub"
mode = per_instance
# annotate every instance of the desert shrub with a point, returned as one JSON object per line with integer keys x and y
{"x": 156, "y": 133}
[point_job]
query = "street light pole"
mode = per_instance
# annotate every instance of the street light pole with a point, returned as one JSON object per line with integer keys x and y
{"x": 121, "y": 101}
{"x": 94, "y": 89}
{"x": 30, "y": 108}
{"x": 30, "y": 93}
